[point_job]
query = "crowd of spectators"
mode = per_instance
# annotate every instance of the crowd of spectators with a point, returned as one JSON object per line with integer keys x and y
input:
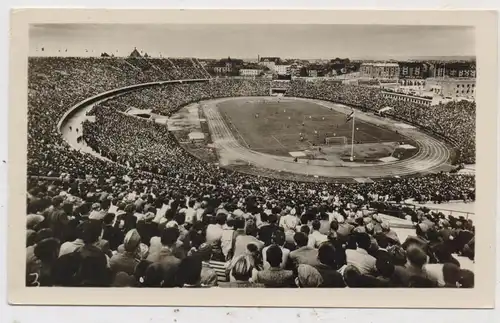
{"x": 139, "y": 232}
{"x": 155, "y": 216}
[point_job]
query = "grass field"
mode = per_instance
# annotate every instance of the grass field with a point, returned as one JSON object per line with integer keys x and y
{"x": 277, "y": 128}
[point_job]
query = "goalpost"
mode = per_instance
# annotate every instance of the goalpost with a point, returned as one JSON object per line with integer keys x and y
{"x": 336, "y": 141}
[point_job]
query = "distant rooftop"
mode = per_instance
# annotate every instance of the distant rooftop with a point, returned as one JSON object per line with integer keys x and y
{"x": 381, "y": 64}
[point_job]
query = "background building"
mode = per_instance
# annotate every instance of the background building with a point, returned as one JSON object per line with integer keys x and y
{"x": 269, "y": 62}
{"x": 226, "y": 66}
{"x": 379, "y": 70}
{"x": 283, "y": 69}
{"x": 453, "y": 69}
{"x": 452, "y": 87}
{"x": 413, "y": 70}
{"x": 250, "y": 72}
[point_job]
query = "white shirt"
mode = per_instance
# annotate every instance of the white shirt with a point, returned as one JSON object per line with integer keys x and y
{"x": 284, "y": 258}
{"x": 289, "y": 222}
{"x": 160, "y": 213}
{"x": 190, "y": 215}
{"x": 316, "y": 238}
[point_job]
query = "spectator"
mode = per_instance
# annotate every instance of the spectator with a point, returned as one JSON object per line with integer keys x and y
{"x": 308, "y": 276}
{"x": 275, "y": 276}
{"x": 278, "y": 239}
{"x": 359, "y": 258}
{"x": 127, "y": 260}
{"x": 189, "y": 272}
{"x": 304, "y": 254}
{"x": 208, "y": 275}
{"x": 316, "y": 238}
{"x": 167, "y": 256}
{"x": 241, "y": 271}
{"x": 177, "y": 202}
{"x": 327, "y": 267}
{"x": 241, "y": 242}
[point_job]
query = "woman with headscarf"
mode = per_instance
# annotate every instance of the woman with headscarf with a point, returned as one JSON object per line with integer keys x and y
{"x": 126, "y": 260}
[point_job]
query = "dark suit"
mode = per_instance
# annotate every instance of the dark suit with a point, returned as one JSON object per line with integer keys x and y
{"x": 331, "y": 277}
{"x": 123, "y": 262}
{"x": 266, "y": 232}
{"x": 382, "y": 254}
{"x": 114, "y": 236}
{"x": 275, "y": 277}
{"x": 147, "y": 230}
{"x": 169, "y": 264}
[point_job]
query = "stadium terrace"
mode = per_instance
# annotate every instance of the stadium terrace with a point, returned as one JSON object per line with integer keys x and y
{"x": 136, "y": 209}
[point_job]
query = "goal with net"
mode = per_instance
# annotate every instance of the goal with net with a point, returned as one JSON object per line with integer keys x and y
{"x": 339, "y": 141}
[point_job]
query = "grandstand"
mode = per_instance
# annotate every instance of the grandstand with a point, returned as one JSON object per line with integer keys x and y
{"x": 125, "y": 189}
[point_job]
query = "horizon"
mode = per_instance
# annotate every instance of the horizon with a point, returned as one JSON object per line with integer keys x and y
{"x": 311, "y": 42}
{"x": 415, "y": 58}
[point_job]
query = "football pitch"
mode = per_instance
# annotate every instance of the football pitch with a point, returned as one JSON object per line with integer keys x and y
{"x": 276, "y": 127}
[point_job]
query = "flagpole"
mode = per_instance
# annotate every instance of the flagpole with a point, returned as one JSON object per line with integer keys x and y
{"x": 352, "y": 137}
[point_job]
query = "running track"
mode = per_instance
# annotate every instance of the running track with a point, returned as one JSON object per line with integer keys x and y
{"x": 431, "y": 155}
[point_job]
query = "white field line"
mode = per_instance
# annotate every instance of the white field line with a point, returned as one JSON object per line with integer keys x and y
{"x": 279, "y": 142}
{"x": 235, "y": 128}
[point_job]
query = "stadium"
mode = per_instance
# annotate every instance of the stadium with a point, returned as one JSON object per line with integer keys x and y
{"x": 146, "y": 153}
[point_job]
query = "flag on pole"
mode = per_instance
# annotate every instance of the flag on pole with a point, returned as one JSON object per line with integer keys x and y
{"x": 349, "y": 117}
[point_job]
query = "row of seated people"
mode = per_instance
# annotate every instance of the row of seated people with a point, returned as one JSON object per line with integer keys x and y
{"x": 129, "y": 233}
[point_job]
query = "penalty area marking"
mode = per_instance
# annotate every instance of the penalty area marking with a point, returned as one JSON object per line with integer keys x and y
{"x": 297, "y": 154}
{"x": 279, "y": 142}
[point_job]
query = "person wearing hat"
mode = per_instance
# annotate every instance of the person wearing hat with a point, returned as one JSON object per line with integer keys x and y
{"x": 127, "y": 260}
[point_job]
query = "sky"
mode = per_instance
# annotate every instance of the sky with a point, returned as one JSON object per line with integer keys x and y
{"x": 248, "y": 41}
